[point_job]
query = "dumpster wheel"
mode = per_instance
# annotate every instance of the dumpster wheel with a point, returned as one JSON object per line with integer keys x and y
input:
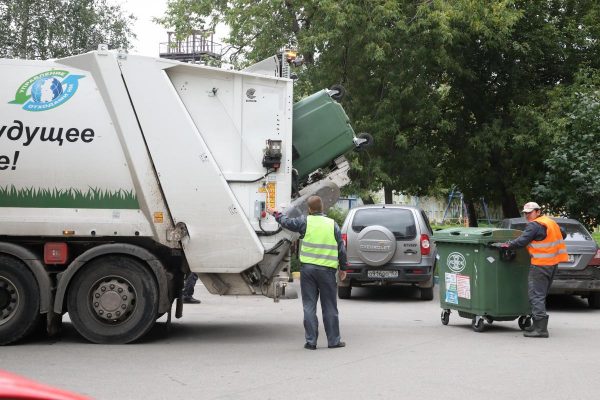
{"x": 524, "y": 322}
{"x": 478, "y": 323}
{"x": 445, "y": 317}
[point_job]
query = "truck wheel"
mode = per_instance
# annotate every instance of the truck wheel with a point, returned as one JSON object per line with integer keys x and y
{"x": 594, "y": 300}
{"x": 344, "y": 292}
{"x": 426, "y": 293}
{"x": 19, "y": 300}
{"x": 113, "y": 300}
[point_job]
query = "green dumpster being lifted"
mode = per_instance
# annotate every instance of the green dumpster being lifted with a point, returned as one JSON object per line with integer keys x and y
{"x": 481, "y": 282}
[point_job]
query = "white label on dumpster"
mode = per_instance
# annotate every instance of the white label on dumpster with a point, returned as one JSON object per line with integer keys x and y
{"x": 450, "y": 282}
{"x": 456, "y": 262}
{"x": 463, "y": 283}
{"x": 451, "y": 288}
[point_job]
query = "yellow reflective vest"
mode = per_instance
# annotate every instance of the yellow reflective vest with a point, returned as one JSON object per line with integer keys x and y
{"x": 319, "y": 246}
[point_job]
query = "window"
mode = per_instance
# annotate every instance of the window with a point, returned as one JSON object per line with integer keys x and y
{"x": 400, "y": 221}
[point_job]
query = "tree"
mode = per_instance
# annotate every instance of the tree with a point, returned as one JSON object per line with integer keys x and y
{"x": 449, "y": 89}
{"x": 59, "y": 28}
{"x": 571, "y": 184}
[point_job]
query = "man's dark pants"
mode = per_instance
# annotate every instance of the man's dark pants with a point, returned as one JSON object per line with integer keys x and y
{"x": 315, "y": 280}
{"x": 540, "y": 279}
{"x": 190, "y": 282}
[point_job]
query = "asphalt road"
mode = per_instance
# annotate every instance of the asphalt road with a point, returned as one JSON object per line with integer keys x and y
{"x": 251, "y": 348}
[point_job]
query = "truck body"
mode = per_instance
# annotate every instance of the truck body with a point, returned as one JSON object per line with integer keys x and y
{"x": 119, "y": 174}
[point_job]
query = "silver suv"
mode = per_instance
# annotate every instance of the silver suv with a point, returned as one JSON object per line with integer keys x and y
{"x": 388, "y": 244}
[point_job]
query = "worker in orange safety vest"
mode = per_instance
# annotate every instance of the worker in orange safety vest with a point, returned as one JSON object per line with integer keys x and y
{"x": 544, "y": 240}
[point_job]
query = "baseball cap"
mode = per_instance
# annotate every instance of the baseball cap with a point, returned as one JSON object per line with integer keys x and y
{"x": 529, "y": 207}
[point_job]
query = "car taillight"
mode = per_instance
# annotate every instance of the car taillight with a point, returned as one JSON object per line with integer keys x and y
{"x": 345, "y": 239}
{"x": 56, "y": 253}
{"x": 595, "y": 261}
{"x": 425, "y": 245}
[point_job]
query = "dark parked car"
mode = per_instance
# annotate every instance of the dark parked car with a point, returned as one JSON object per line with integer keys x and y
{"x": 388, "y": 245}
{"x": 576, "y": 276}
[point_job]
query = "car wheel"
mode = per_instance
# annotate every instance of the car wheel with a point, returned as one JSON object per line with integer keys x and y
{"x": 594, "y": 300}
{"x": 19, "y": 300}
{"x": 445, "y": 317}
{"x": 344, "y": 292}
{"x": 426, "y": 293}
{"x": 478, "y": 324}
{"x": 113, "y": 300}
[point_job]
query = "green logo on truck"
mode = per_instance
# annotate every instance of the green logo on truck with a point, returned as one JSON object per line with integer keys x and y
{"x": 46, "y": 90}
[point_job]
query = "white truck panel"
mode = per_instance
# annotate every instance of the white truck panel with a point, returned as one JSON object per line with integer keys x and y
{"x": 105, "y": 69}
{"x": 72, "y": 162}
{"x": 192, "y": 182}
{"x": 93, "y": 222}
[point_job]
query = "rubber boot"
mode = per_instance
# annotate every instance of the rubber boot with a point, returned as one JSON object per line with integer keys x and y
{"x": 540, "y": 328}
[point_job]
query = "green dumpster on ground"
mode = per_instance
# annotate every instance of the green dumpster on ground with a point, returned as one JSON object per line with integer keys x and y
{"x": 482, "y": 282}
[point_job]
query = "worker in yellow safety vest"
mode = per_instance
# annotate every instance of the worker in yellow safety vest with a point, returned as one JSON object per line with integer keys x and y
{"x": 544, "y": 240}
{"x": 321, "y": 252}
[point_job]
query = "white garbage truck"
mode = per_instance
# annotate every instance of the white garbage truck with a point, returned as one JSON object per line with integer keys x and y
{"x": 119, "y": 174}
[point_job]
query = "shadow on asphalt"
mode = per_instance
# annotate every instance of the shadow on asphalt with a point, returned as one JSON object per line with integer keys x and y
{"x": 386, "y": 293}
{"x": 568, "y": 303}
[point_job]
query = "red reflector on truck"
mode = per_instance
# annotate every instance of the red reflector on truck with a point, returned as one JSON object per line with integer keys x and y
{"x": 345, "y": 239}
{"x": 55, "y": 253}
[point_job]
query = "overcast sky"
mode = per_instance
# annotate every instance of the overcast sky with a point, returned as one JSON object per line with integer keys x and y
{"x": 149, "y": 34}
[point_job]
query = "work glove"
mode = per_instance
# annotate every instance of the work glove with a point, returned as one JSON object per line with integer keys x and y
{"x": 500, "y": 245}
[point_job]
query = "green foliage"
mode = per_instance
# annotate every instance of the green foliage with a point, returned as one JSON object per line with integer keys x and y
{"x": 67, "y": 198}
{"x": 338, "y": 215}
{"x": 571, "y": 184}
{"x": 59, "y": 28}
{"x": 450, "y": 90}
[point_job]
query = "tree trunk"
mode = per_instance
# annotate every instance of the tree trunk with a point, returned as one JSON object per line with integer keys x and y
{"x": 510, "y": 209}
{"x": 24, "y": 38}
{"x": 389, "y": 195}
{"x": 367, "y": 200}
{"x": 471, "y": 213}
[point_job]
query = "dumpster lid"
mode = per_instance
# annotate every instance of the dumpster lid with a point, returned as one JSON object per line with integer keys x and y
{"x": 475, "y": 235}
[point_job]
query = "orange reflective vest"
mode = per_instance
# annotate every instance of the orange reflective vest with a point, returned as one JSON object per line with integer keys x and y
{"x": 552, "y": 249}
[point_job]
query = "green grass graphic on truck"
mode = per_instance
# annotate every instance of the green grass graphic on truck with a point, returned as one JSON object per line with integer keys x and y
{"x": 10, "y": 196}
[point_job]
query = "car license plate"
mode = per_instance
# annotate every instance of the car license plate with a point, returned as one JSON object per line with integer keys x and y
{"x": 382, "y": 274}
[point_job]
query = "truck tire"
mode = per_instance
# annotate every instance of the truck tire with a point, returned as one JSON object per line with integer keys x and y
{"x": 113, "y": 299}
{"x": 19, "y": 300}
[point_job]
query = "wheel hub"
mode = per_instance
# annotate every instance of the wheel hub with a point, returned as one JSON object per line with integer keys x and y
{"x": 9, "y": 300}
{"x": 113, "y": 299}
